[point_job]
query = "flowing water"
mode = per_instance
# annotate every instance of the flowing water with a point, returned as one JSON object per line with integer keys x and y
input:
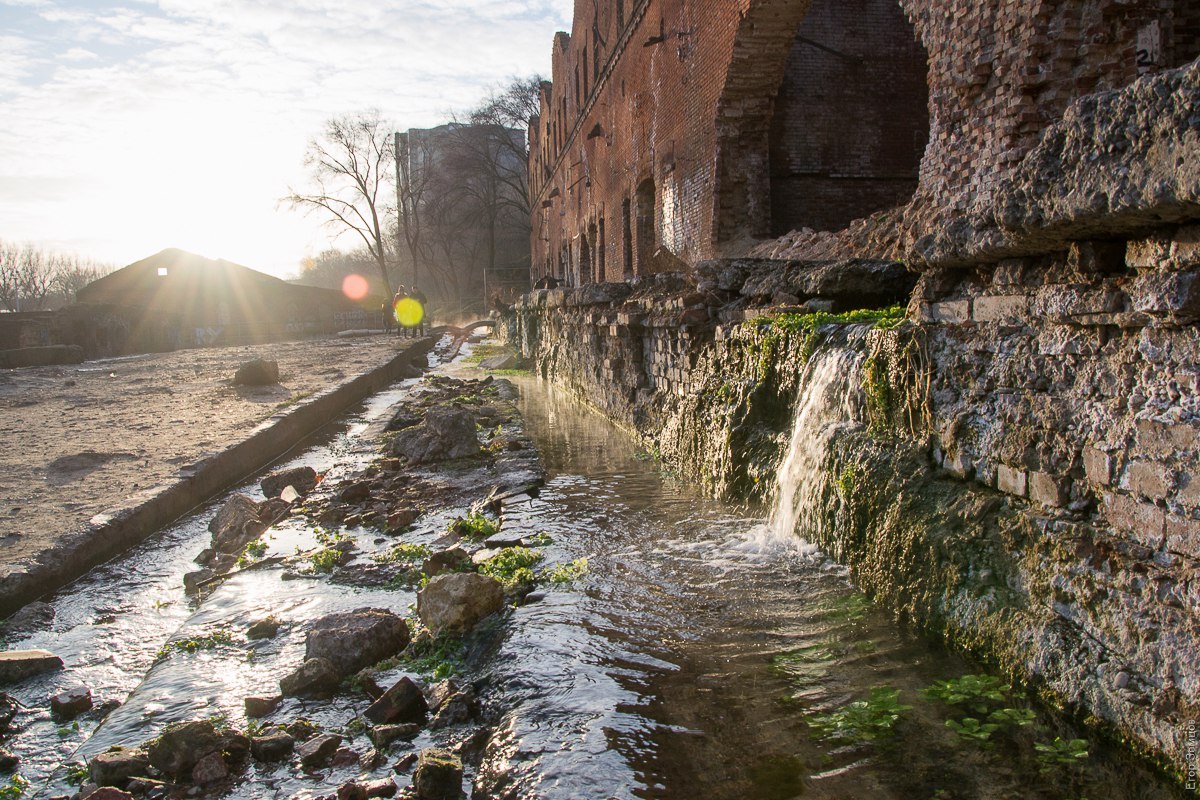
{"x": 707, "y": 653}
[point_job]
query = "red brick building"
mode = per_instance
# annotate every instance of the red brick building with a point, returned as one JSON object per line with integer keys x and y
{"x": 675, "y": 131}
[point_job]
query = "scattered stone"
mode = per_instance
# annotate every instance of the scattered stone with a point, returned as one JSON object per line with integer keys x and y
{"x": 107, "y": 793}
{"x": 258, "y": 372}
{"x": 456, "y": 602}
{"x": 355, "y": 639}
{"x": 118, "y": 765}
{"x": 372, "y": 760}
{"x": 444, "y": 434}
{"x": 235, "y": 524}
{"x": 351, "y": 791}
{"x": 265, "y": 628}
{"x": 401, "y": 519}
{"x": 144, "y": 786}
{"x": 8, "y": 710}
{"x": 438, "y": 775}
{"x": 356, "y": 492}
{"x": 274, "y": 746}
{"x": 404, "y": 702}
{"x": 452, "y": 559}
{"x": 31, "y": 618}
{"x": 17, "y": 665}
{"x": 344, "y": 757}
{"x": 209, "y": 769}
{"x": 302, "y": 479}
{"x": 182, "y": 744}
{"x": 316, "y": 677}
{"x": 70, "y": 703}
{"x": 457, "y": 710}
{"x": 404, "y": 763}
{"x": 261, "y": 706}
{"x": 8, "y": 762}
{"x": 303, "y": 729}
{"x": 437, "y": 695}
{"x": 318, "y": 751}
{"x": 192, "y": 581}
{"x": 383, "y": 735}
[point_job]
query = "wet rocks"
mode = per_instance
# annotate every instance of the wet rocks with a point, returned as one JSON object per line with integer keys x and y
{"x": 70, "y": 703}
{"x": 274, "y": 746}
{"x": 17, "y": 665}
{"x": 354, "y": 790}
{"x": 118, "y": 765}
{"x": 209, "y": 769}
{"x": 438, "y": 775}
{"x": 404, "y": 702}
{"x": 318, "y": 751}
{"x": 8, "y": 710}
{"x": 262, "y": 706}
{"x": 383, "y": 735}
{"x": 302, "y": 479}
{"x": 445, "y": 434}
{"x": 258, "y": 372}
{"x": 108, "y": 793}
{"x": 265, "y": 628}
{"x": 352, "y": 640}
{"x": 316, "y": 677}
{"x": 34, "y": 617}
{"x": 184, "y": 745}
{"x": 452, "y": 559}
{"x": 456, "y": 602}
{"x": 235, "y": 524}
{"x": 8, "y": 762}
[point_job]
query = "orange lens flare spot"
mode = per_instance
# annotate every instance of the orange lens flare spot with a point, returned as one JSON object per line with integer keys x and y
{"x": 409, "y": 312}
{"x": 355, "y": 287}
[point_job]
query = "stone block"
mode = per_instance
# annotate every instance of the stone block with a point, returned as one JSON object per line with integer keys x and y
{"x": 1183, "y": 535}
{"x": 1004, "y": 308}
{"x": 1047, "y": 490}
{"x": 1172, "y": 294}
{"x": 1149, "y": 479}
{"x": 1011, "y": 480}
{"x": 1163, "y": 439}
{"x": 1185, "y": 247}
{"x": 1142, "y": 521}
{"x": 1147, "y": 253}
{"x": 1098, "y": 466}
{"x": 952, "y": 312}
{"x": 959, "y": 464}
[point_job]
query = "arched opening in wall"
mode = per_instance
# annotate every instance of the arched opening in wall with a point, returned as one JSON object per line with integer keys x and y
{"x": 585, "y": 261}
{"x": 644, "y": 199}
{"x": 601, "y": 255}
{"x": 626, "y": 240}
{"x": 851, "y": 116}
{"x": 594, "y": 255}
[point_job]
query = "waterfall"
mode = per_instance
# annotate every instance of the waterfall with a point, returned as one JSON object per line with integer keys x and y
{"x": 830, "y": 399}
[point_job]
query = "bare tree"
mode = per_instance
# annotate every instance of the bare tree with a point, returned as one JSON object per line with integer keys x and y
{"x": 33, "y": 278}
{"x": 350, "y": 167}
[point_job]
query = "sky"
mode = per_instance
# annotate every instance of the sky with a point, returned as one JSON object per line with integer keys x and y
{"x": 127, "y": 128}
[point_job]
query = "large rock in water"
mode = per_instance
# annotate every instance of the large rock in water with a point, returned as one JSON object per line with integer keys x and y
{"x": 316, "y": 677}
{"x": 438, "y": 776}
{"x": 182, "y": 744}
{"x": 302, "y": 479}
{"x": 236, "y": 524}
{"x": 351, "y": 640}
{"x": 116, "y": 766}
{"x": 456, "y": 602}
{"x": 445, "y": 434}
{"x": 404, "y": 702}
{"x": 17, "y": 665}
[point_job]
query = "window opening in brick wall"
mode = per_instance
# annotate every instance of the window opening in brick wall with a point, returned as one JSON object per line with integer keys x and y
{"x": 851, "y": 117}
{"x": 585, "y": 259}
{"x": 626, "y": 240}
{"x": 601, "y": 264}
{"x": 645, "y": 227}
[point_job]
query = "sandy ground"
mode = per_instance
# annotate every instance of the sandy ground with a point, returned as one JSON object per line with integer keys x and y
{"x": 76, "y": 440}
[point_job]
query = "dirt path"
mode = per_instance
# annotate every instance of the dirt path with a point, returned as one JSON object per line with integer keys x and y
{"x": 77, "y": 440}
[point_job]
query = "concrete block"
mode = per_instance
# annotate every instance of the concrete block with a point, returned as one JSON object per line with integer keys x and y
{"x": 1047, "y": 490}
{"x": 1098, "y": 466}
{"x": 952, "y": 312}
{"x": 1149, "y": 479}
{"x": 1011, "y": 480}
{"x": 1005, "y": 309}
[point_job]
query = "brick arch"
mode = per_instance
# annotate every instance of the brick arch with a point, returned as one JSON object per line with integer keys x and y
{"x": 823, "y": 117}
{"x": 756, "y": 68}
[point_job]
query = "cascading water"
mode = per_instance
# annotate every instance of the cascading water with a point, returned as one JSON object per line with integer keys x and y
{"x": 831, "y": 398}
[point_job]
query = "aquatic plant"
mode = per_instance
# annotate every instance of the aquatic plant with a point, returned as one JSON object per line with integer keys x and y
{"x": 15, "y": 789}
{"x": 436, "y": 657}
{"x": 404, "y": 553}
{"x": 77, "y": 773}
{"x": 1012, "y": 717}
{"x": 324, "y": 560}
{"x": 863, "y": 720}
{"x": 252, "y": 552}
{"x": 474, "y": 526}
{"x": 976, "y": 692}
{"x": 1060, "y": 753}
{"x": 847, "y": 480}
{"x": 972, "y": 729}
{"x": 209, "y": 641}
{"x": 852, "y": 607}
{"x": 561, "y": 574}
{"x": 810, "y": 325}
{"x": 512, "y": 566}
{"x": 542, "y": 539}
{"x": 66, "y": 730}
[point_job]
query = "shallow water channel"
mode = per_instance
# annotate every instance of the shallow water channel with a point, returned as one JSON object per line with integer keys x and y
{"x": 698, "y": 657}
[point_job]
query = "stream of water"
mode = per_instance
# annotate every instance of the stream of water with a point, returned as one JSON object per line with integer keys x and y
{"x": 707, "y": 653}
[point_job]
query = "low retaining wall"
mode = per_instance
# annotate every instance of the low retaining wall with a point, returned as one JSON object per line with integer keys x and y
{"x": 107, "y": 535}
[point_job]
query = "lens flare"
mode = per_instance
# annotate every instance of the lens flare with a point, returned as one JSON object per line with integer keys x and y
{"x": 409, "y": 312}
{"x": 355, "y": 287}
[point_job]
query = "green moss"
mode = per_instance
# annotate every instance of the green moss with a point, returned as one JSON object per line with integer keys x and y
{"x": 879, "y": 395}
{"x": 15, "y": 789}
{"x": 566, "y": 573}
{"x": 437, "y": 657}
{"x": 210, "y": 641}
{"x": 512, "y": 566}
{"x": 809, "y": 325}
{"x": 404, "y": 553}
{"x": 475, "y": 526}
{"x": 847, "y": 481}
